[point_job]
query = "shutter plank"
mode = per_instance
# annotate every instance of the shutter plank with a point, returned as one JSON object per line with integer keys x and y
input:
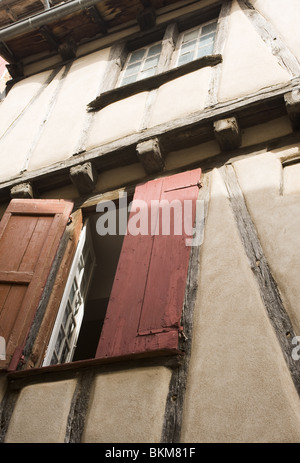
{"x": 124, "y": 308}
{"x": 146, "y": 301}
{"x": 30, "y": 233}
{"x": 170, "y": 259}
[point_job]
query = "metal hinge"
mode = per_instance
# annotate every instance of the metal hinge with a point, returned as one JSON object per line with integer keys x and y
{"x": 198, "y": 184}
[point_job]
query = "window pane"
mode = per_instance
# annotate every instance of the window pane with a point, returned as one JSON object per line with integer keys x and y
{"x": 154, "y": 50}
{"x": 209, "y": 28}
{"x": 59, "y": 340}
{"x": 206, "y": 39}
{"x": 137, "y": 56}
{"x": 192, "y": 35}
{"x": 129, "y": 80}
{"x": 66, "y": 314}
{"x": 204, "y": 51}
{"x": 150, "y": 63}
{"x": 132, "y": 69}
{"x": 147, "y": 73}
{"x": 186, "y": 58}
{"x": 188, "y": 47}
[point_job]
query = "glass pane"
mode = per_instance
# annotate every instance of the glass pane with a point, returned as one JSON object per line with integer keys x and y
{"x": 204, "y": 51}
{"x": 147, "y": 73}
{"x": 186, "y": 58}
{"x": 66, "y": 314}
{"x": 54, "y": 359}
{"x": 73, "y": 291}
{"x": 132, "y": 69}
{"x": 137, "y": 55}
{"x": 64, "y": 353}
{"x": 192, "y": 35}
{"x": 209, "y": 28}
{"x": 150, "y": 63}
{"x": 129, "y": 80}
{"x": 207, "y": 39}
{"x": 154, "y": 50}
{"x": 59, "y": 339}
{"x": 188, "y": 47}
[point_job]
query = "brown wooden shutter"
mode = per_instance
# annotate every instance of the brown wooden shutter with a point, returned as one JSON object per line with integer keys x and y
{"x": 147, "y": 297}
{"x": 30, "y": 233}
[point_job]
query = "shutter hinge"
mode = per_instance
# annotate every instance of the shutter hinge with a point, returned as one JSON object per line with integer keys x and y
{"x": 198, "y": 184}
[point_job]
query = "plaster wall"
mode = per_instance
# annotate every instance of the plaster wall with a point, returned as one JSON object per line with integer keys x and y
{"x": 248, "y": 65}
{"x": 134, "y": 396}
{"x": 239, "y": 389}
{"x": 272, "y": 197}
{"x": 41, "y": 413}
{"x": 284, "y": 17}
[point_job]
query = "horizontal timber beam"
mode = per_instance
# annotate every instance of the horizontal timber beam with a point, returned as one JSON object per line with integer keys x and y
{"x": 194, "y": 129}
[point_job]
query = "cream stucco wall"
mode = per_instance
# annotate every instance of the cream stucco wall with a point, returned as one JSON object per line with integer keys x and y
{"x": 41, "y": 413}
{"x": 128, "y": 406}
{"x": 284, "y": 16}
{"x": 276, "y": 215}
{"x": 248, "y": 63}
{"x": 239, "y": 388}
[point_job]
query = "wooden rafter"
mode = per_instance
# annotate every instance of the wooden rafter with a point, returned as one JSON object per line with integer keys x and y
{"x": 94, "y": 14}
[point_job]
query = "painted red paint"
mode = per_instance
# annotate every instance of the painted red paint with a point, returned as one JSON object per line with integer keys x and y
{"x": 147, "y": 297}
{"x": 30, "y": 233}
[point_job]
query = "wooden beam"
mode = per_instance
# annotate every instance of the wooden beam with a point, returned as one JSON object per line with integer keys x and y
{"x": 146, "y": 19}
{"x": 292, "y": 102}
{"x": 152, "y": 82}
{"x": 227, "y": 133}
{"x": 67, "y": 50}
{"x": 84, "y": 177}
{"x": 22, "y": 190}
{"x": 190, "y": 130}
{"x": 49, "y": 37}
{"x": 7, "y": 54}
{"x": 150, "y": 154}
{"x": 95, "y": 15}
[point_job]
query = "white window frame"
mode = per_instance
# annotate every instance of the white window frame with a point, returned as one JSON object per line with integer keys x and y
{"x": 199, "y": 29}
{"x": 77, "y": 276}
{"x": 142, "y": 63}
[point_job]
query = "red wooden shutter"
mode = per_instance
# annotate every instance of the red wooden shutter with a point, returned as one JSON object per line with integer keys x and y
{"x": 30, "y": 232}
{"x": 147, "y": 297}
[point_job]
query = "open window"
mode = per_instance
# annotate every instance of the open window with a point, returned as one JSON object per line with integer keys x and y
{"x": 123, "y": 293}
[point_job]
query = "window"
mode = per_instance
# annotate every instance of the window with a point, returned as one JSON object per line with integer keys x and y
{"x": 64, "y": 338}
{"x": 122, "y": 294}
{"x": 140, "y": 64}
{"x": 197, "y": 42}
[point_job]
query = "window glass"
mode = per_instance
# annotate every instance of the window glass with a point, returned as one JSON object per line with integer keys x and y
{"x": 197, "y": 42}
{"x": 141, "y": 64}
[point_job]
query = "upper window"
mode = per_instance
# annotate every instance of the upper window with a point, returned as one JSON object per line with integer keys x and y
{"x": 141, "y": 63}
{"x": 197, "y": 42}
